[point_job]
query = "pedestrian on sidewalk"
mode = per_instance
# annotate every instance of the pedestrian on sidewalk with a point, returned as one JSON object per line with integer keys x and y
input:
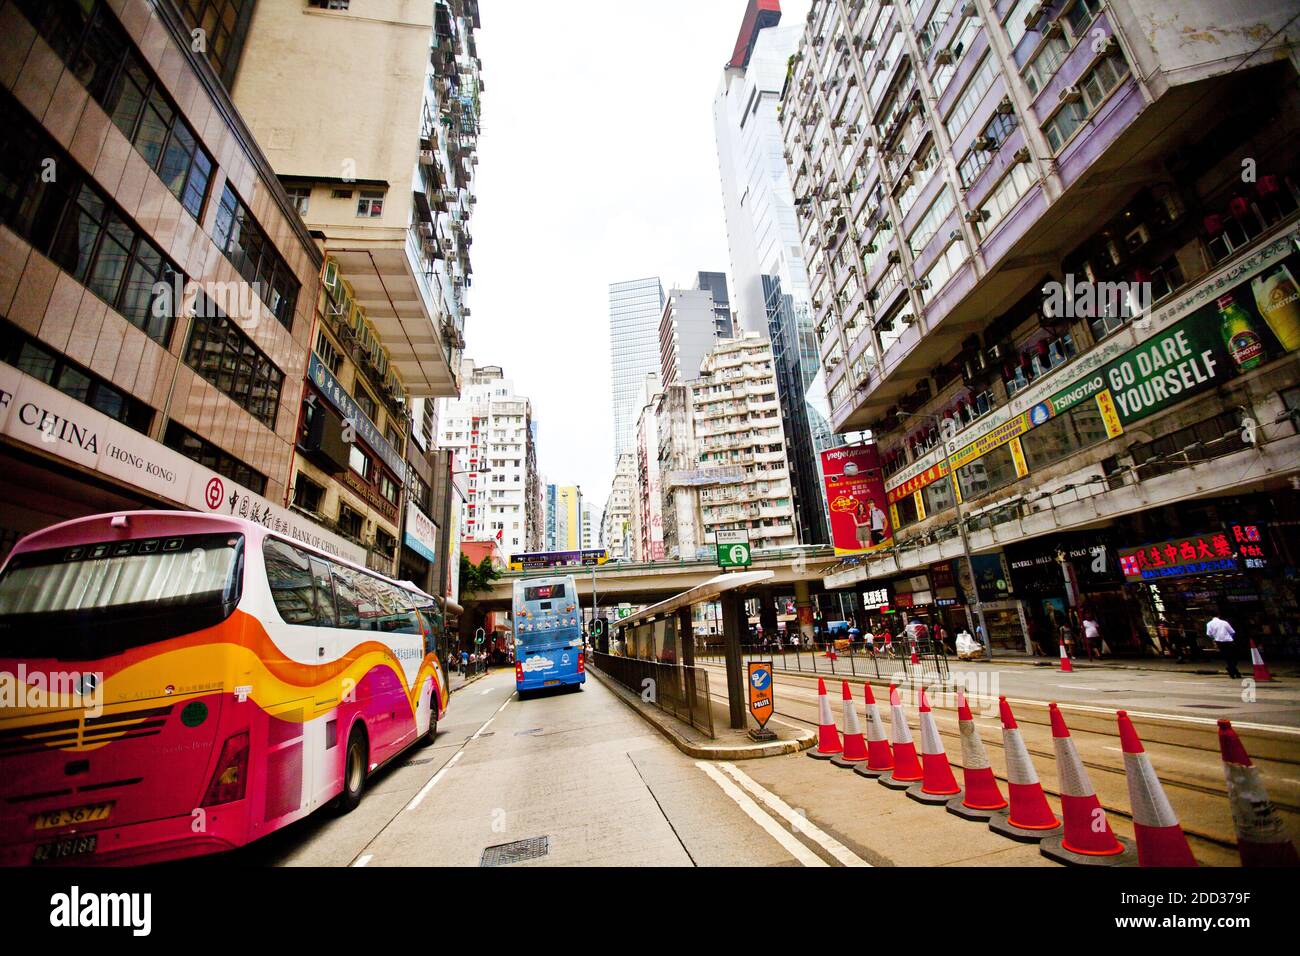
{"x": 1223, "y": 635}
{"x": 464, "y": 663}
{"x": 1091, "y": 635}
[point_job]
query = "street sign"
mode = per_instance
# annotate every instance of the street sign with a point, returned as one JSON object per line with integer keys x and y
{"x": 624, "y": 610}
{"x": 761, "y": 702}
{"x": 733, "y": 549}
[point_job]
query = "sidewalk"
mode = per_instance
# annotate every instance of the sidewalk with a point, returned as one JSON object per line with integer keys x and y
{"x": 1207, "y": 665}
{"x": 729, "y": 744}
{"x": 455, "y": 681}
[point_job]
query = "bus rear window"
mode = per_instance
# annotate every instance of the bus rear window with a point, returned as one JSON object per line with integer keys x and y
{"x": 542, "y": 592}
{"x": 126, "y": 592}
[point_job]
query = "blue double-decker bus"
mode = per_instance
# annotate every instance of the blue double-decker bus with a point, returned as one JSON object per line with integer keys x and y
{"x": 548, "y": 633}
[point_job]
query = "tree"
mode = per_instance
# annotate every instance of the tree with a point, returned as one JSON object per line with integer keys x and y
{"x": 476, "y": 577}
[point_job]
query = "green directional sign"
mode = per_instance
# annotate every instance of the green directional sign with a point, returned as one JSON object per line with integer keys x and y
{"x": 733, "y": 549}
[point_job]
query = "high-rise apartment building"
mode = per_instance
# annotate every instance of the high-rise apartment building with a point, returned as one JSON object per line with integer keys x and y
{"x": 745, "y": 480}
{"x": 769, "y": 277}
{"x": 389, "y": 186}
{"x": 158, "y": 290}
{"x": 635, "y": 310}
{"x": 589, "y": 526}
{"x": 716, "y": 283}
{"x": 687, "y": 333}
{"x": 647, "y": 501}
{"x": 489, "y": 428}
{"x": 615, "y": 520}
{"x": 679, "y": 471}
{"x": 1053, "y": 246}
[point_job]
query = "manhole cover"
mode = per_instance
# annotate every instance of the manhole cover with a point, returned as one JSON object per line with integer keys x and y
{"x": 503, "y": 854}
{"x": 416, "y": 763}
{"x": 530, "y": 730}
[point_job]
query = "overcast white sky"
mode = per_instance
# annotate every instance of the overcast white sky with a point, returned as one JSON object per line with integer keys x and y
{"x": 597, "y": 164}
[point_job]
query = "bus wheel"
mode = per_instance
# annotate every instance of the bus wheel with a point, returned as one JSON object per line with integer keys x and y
{"x": 432, "y": 732}
{"x": 354, "y": 771}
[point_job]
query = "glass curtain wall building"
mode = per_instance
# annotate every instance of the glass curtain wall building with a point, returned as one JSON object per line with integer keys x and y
{"x": 635, "y": 309}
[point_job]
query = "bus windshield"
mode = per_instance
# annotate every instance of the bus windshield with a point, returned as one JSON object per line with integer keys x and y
{"x": 93, "y": 599}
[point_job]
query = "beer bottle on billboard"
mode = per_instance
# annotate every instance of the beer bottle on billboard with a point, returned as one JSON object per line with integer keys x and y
{"x": 1239, "y": 335}
{"x": 1278, "y": 300}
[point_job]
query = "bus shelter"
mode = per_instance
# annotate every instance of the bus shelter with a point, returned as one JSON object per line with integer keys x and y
{"x": 729, "y": 590}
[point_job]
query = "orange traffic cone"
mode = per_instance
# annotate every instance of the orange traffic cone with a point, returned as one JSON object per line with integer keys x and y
{"x": 1029, "y": 819}
{"x": 915, "y": 659}
{"x": 1160, "y": 840}
{"x": 1066, "y": 666}
{"x": 828, "y": 737}
{"x": 1257, "y": 660}
{"x": 855, "y": 748}
{"x": 907, "y": 769}
{"x": 1261, "y": 835}
{"x": 880, "y": 759}
{"x": 938, "y": 784}
{"x": 981, "y": 798}
{"x": 1088, "y": 839}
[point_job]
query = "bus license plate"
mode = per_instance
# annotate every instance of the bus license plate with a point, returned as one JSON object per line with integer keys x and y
{"x": 53, "y": 819}
{"x": 549, "y": 683}
{"x": 62, "y": 849}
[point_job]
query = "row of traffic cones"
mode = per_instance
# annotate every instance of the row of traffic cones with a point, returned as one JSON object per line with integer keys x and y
{"x": 1084, "y": 835}
{"x": 1257, "y": 664}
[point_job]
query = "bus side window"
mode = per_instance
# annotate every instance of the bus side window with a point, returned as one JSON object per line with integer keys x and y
{"x": 288, "y": 572}
{"x": 397, "y": 610}
{"x": 320, "y": 572}
{"x": 345, "y": 595}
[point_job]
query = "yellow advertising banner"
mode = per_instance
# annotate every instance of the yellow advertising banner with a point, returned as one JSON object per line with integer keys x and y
{"x": 1018, "y": 456}
{"x": 1109, "y": 416}
{"x": 920, "y": 505}
{"x": 994, "y": 439}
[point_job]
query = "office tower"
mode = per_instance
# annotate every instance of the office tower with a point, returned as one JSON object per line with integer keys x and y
{"x": 687, "y": 332}
{"x": 1010, "y": 211}
{"x": 162, "y": 329}
{"x": 768, "y": 274}
{"x": 635, "y": 310}
{"x": 489, "y": 427}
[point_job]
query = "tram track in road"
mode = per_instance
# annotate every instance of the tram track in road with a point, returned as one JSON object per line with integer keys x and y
{"x": 1185, "y": 754}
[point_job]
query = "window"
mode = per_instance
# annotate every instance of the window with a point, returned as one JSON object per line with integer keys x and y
{"x": 340, "y": 194}
{"x": 181, "y": 439}
{"x": 351, "y": 523}
{"x": 293, "y": 587}
{"x": 328, "y": 354}
{"x": 1081, "y": 14}
{"x": 1040, "y": 70}
{"x": 1093, "y": 88}
{"x": 995, "y": 470}
{"x": 254, "y": 257}
{"x": 370, "y": 205}
{"x": 977, "y": 86}
{"x": 907, "y": 513}
{"x": 388, "y": 488}
{"x": 1015, "y": 22}
{"x": 228, "y": 359}
{"x": 79, "y": 227}
{"x": 307, "y": 495}
{"x": 364, "y": 402}
{"x": 385, "y": 543}
{"x": 359, "y": 461}
{"x": 1060, "y": 437}
{"x": 1205, "y": 440}
{"x": 938, "y": 496}
{"x": 929, "y": 223}
{"x": 1003, "y": 197}
{"x": 89, "y": 39}
{"x": 300, "y": 196}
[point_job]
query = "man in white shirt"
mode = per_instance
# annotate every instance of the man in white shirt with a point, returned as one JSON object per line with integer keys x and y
{"x": 1222, "y": 633}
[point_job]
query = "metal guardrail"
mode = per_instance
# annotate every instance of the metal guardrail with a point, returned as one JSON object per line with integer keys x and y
{"x": 885, "y": 662}
{"x": 674, "y": 688}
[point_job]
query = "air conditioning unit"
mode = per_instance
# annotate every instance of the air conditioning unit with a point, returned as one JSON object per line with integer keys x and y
{"x": 449, "y": 245}
{"x": 1004, "y": 106}
{"x": 943, "y": 56}
{"x": 426, "y": 157}
{"x": 969, "y": 10}
{"x": 1054, "y": 29}
{"x": 994, "y": 353}
{"x": 1071, "y": 94}
{"x": 868, "y": 44}
{"x": 894, "y": 256}
{"x": 976, "y": 215}
{"x": 1036, "y": 14}
{"x": 954, "y": 235}
{"x": 1021, "y": 155}
{"x": 920, "y": 285}
{"x": 426, "y": 230}
{"x": 984, "y": 143}
{"x": 1108, "y": 45}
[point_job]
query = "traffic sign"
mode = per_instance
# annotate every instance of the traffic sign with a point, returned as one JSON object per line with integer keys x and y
{"x": 733, "y": 549}
{"x": 761, "y": 702}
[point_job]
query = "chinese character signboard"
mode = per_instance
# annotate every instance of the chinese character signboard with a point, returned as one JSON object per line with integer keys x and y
{"x": 1241, "y": 546}
{"x": 855, "y": 499}
{"x": 876, "y": 597}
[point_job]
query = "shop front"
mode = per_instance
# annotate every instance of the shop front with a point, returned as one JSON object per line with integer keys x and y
{"x": 1002, "y": 612}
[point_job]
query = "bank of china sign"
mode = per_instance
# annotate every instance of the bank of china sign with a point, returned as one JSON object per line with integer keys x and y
{"x": 35, "y": 414}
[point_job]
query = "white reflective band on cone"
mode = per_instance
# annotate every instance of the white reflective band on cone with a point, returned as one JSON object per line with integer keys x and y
{"x": 1150, "y": 805}
{"x": 930, "y": 736}
{"x": 824, "y": 711}
{"x": 875, "y": 726}
{"x": 1256, "y": 657}
{"x": 898, "y": 724}
{"x": 973, "y": 755}
{"x": 1252, "y": 813}
{"x": 851, "y": 718}
{"x": 1072, "y": 774}
{"x": 1020, "y": 769}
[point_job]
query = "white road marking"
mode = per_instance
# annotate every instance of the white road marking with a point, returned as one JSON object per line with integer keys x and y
{"x": 1078, "y": 687}
{"x": 797, "y": 820}
{"x": 363, "y": 860}
{"x": 792, "y": 846}
{"x": 419, "y": 797}
{"x": 486, "y": 690}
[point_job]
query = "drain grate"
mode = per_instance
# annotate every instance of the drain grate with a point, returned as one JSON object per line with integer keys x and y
{"x": 503, "y": 854}
{"x": 421, "y": 760}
